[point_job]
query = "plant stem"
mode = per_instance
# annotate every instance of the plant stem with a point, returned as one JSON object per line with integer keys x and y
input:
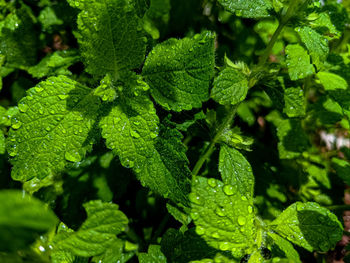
{"x": 210, "y": 149}
{"x": 284, "y": 20}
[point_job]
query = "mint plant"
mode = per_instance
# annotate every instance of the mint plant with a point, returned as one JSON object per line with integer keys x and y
{"x": 174, "y": 130}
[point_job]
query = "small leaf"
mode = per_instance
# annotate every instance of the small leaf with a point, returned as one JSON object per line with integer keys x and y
{"x": 230, "y": 87}
{"x": 309, "y": 225}
{"x": 223, "y": 217}
{"x": 295, "y": 102}
{"x": 331, "y": 81}
{"x": 342, "y": 167}
{"x": 235, "y": 170}
{"x": 98, "y": 232}
{"x": 286, "y": 247}
{"x": 315, "y": 43}
{"x": 22, "y": 220}
{"x": 56, "y": 63}
{"x": 248, "y": 8}
{"x": 298, "y": 62}
{"x": 179, "y": 71}
{"x": 154, "y": 255}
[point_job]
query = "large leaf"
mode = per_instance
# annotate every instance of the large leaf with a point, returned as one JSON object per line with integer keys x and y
{"x": 22, "y": 220}
{"x": 110, "y": 35}
{"x": 98, "y": 232}
{"x": 309, "y": 225}
{"x": 230, "y": 87}
{"x": 55, "y": 125}
{"x": 179, "y": 71}
{"x": 236, "y": 170}
{"x": 223, "y": 217}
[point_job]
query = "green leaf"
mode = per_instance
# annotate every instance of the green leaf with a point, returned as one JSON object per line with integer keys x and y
{"x": 309, "y": 225}
{"x": 286, "y": 247}
{"x": 298, "y": 62}
{"x": 98, "y": 232}
{"x": 230, "y": 87}
{"x": 315, "y": 43}
{"x": 342, "y": 167}
{"x": 154, "y": 255}
{"x": 114, "y": 253}
{"x": 223, "y": 217}
{"x": 166, "y": 171}
{"x": 292, "y": 138}
{"x": 185, "y": 247}
{"x": 248, "y": 8}
{"x": 235, "y": 170}
{"x": 179, "y": 71}
{"x": 56, "y": 124}
{"x": 130, "y": 129}
{"x": 110, "y": 36}
{"x": 17, "y": 41}
{"x": 22, "y": 220}
{"x": 294, "y": 102}
{"x": 323, "y": 23}
{"x": 331, "y": 81}
{"x": 56, "y": 63}
{"x": 327, "y": 111}
{"x": 48, "y": 18}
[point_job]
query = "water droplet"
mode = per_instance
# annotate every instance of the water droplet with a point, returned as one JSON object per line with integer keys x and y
{"x": 38, "y": 89}
{"x": 72, "y": 156}
{"x": 23, "y": 107}
{"x": 220, "y": 211}
{"x": 194, "y": 215}
{"x": 195, "y": 199}
{"x": 241, "y": 220}
{"x": 134, "y": 134}
{"x": 63, "y": 96}
{"x": 16, "y": 125}
{"x": 225, "y": 246}
{"x": 200, "y": 230}
{"x": 250, "y": 209}
{"x": 215, "y": 235}
{"x": 229, "y": 190}
{"x": 212, "y": 182}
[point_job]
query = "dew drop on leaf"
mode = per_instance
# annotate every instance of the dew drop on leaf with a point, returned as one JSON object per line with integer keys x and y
{"x": 212, "y": 182}
{"x": 241, "y": 220}
{"x": 229, "y": 190}
{"x": 72, "y": 156}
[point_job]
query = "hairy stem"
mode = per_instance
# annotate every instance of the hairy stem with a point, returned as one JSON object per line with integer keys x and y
{"x": 284, "y": 20}
{"x": 210, "y": 149}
